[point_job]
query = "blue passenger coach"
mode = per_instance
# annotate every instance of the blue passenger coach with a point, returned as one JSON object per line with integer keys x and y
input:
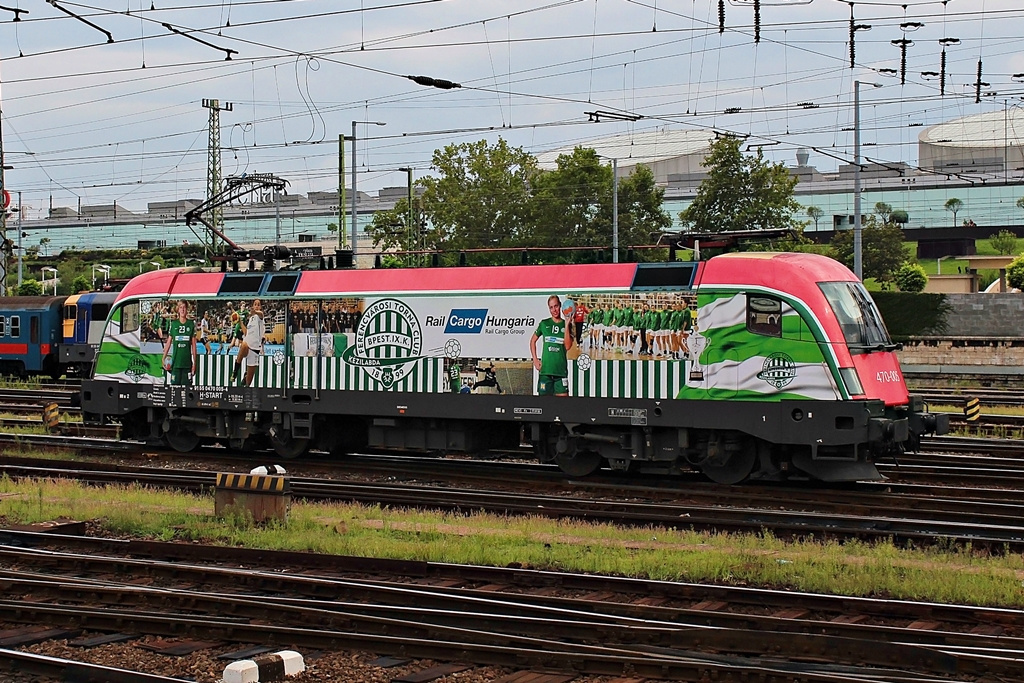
{"x": 30, "y": 334}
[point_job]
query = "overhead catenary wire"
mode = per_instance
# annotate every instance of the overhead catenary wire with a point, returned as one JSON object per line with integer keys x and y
{"x": 518, "y": 94}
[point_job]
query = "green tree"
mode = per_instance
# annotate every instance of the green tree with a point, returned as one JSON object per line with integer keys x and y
{"x": 953, "y": 205}
{"x": 332, "y": 227}
{"x": 1015, "y": 273}
{"x": 641, "y": 216}
{"x": 573, "y": 202}
{"x": 899, "y": 216}
{"x": 30, "y": 288}
{"x": 1005, "y": 242}
{"x": 391, "y": 230}
{"x": 481, "y": 195}
{"x": 883, "y": 211}
{"x": 815, "y": 213}
{"x": 741, "y": 193}
{"x": 44, "y": 244}
{"x": 882, "y": 249}
{"x": 574, "y": 205}
{"x": 1020, "y": 203}
{"x": 81, "y": 283}
{"x": 69, "y": 269}
{"x": 911, "y": 278}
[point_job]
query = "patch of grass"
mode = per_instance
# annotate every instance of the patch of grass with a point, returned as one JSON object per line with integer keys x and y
{"x": 946, "y": 574}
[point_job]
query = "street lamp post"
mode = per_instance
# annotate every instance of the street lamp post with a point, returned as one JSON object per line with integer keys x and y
{"x": 858, "y": 264}
{"x": 103, "y": 269}
{"x": 355, "y": 221}
{"x": 50, "y": 269}
{"x": 411, "y": 229}
{"x": 615, "y": 207}
{"x": 615, "y": 210}
{"x": 21, "y": 254}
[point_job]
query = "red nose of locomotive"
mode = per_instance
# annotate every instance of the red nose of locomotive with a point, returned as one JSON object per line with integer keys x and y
{"x": 880, "y": 377}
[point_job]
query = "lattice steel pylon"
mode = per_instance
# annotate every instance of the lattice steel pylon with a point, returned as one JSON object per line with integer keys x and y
{"x": 213, "y": 170}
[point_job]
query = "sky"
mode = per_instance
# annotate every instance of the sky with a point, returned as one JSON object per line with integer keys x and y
{"x": 102, "y": 102}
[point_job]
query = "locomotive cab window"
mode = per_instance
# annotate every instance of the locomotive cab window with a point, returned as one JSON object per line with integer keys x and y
{"x": 857, "y": 316}
{"x": 130, "y": 317}
{"x": 15, "y": 326}
{"x": 70, "y": 312}
{"x": 764, "y": 315}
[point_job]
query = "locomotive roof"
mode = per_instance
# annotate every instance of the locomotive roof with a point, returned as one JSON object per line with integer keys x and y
{"x": 772, "y": 269}
{"x": 791, "y": 271}
{"x": 546, "y": 279}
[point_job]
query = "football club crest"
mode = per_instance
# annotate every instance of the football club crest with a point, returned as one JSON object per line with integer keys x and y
{"x": 388, "y": 342}
{"x": 778, "y": 370}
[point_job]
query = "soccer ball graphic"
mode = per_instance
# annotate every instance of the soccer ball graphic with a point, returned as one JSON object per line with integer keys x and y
{"x": 583, "y": 362}
{"x": 452, "y": 348}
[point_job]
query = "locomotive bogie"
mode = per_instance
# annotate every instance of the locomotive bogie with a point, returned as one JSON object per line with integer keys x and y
{"x": 762, "y": 366}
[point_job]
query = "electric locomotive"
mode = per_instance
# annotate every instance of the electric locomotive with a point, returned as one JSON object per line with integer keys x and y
{"x": 745, "y": 366}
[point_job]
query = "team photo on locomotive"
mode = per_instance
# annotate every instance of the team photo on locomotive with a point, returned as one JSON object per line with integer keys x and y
{"x": 754, "y": 366}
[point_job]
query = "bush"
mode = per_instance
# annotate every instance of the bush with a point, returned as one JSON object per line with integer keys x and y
{"x": 81, "y": 283}
{"x": 1015, "y": 273}
{"x": 30, "y": 288}
{"x": 911, "y": 278}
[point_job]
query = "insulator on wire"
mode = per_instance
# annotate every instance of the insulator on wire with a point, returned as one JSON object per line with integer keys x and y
{"x": 903, "y": 44}
{"x": 942, "y": 73}
{"x": 853, "y": 31}
{"x": 757, "y": 21}
{"x": 977, "y": 86}
{"x": 721, "y": 16}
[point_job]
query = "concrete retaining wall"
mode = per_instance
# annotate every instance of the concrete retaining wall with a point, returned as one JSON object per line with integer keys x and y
{"x": 984, "y": 335}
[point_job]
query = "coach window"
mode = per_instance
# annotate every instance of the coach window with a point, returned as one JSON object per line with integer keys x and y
{"x": 3, "y": 325}
{"x": 15, "y": 325}
{"x": 764, "y": 315}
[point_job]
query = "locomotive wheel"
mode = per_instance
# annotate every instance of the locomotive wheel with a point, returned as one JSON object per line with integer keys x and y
{"x": 731, "y": 468}
{"x": 287, "y": 446}
{"x": 182, "y": 440}
{"x": 580, "y": 463}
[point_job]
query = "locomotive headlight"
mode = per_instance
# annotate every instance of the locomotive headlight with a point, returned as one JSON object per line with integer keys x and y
{"x": 852, "y": 381}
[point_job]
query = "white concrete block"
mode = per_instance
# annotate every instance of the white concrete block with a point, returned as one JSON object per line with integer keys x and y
{"x": 293, "y": 662}
{"x": 242, "y": 671}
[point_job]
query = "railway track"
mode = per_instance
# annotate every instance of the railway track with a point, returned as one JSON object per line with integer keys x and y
{"x": 501, "y": 621}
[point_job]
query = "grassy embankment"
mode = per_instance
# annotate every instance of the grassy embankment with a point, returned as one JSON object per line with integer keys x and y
{"x": 942, "y": 573}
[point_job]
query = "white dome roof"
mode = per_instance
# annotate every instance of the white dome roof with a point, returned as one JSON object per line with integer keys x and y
{"x": 988, "y": 130}
{"x": 646, "y": 147}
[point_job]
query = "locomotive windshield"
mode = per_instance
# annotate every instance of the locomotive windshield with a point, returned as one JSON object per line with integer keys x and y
{"x": 858, "y": 317}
